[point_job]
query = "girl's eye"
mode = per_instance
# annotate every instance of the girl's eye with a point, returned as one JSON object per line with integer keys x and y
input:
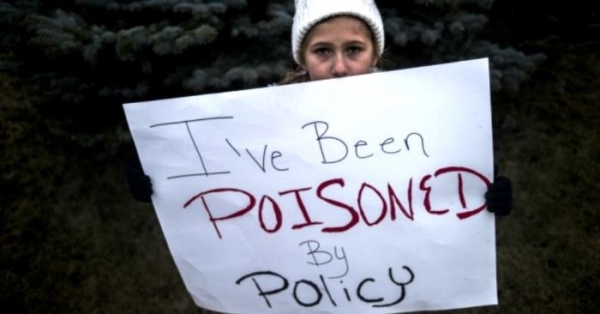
{"x": 321, "y": 51}
{"x": 354, "y": 50}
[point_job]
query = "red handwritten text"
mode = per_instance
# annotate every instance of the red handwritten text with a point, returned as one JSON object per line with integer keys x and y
{"x": 390, "y": 203}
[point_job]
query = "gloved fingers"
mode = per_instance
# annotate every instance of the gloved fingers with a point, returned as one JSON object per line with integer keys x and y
{"x": 139, "y": 183}
{"x": 499, "y": 196}
{"x": 140, "y": 187}
{"x": 500, "y": 209}
{"x": 500, "y": 185}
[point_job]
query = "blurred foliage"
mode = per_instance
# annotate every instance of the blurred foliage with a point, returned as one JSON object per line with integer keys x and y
{"x": 87, "y": 57}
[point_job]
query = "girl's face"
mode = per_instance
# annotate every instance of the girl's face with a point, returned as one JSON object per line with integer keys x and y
{"x": 338, "y": 47}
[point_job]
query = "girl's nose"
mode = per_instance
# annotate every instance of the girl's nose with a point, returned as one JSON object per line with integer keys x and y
{"x": 339, "y": 67}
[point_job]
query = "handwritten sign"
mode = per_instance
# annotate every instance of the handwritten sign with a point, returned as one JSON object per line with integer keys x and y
{"x": 356, "y": 195}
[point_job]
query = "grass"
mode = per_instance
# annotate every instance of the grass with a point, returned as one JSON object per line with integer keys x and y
{"x": 552, "y": 151}
{"x": 73, "y": 241}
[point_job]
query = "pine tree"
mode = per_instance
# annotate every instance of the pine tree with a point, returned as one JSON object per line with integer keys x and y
{"x": 87, "y": 57}
{"x": 437, "y": 31}
{"x": 131, "y": 50}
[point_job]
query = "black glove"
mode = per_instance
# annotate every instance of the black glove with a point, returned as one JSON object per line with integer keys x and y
{"x": 139, "y": 183}
{"x": 499, "y": 196}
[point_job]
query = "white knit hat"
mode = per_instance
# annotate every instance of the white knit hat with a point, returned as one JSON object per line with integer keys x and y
{"x": 311, "y": 12}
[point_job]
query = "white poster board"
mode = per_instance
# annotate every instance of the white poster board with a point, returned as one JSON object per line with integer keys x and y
{"x": 356, "y": 195}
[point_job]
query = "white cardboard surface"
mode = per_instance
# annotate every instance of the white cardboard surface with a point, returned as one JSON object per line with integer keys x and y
{"x": 354, "y": 195}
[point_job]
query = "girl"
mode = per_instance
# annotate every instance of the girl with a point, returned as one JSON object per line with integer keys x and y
{"x": 335, "y": 38}
{"x": 331, "y": 39}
